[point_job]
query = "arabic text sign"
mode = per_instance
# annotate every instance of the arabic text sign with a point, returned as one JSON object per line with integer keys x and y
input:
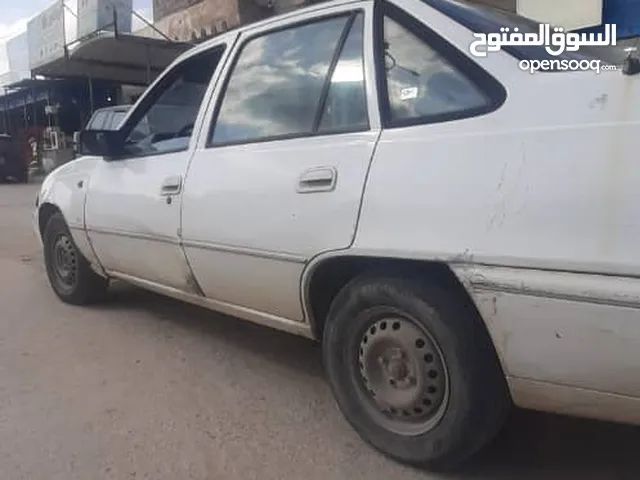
{"x": 554, "y": 39}
{"x": 45, "y": 35}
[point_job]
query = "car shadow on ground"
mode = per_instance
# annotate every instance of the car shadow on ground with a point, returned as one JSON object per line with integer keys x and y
{"x": 531, "y": 446}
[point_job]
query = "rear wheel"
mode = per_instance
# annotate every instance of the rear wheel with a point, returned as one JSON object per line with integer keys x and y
{"x": 70, "y": 275}
{"x": 413, "y": 370}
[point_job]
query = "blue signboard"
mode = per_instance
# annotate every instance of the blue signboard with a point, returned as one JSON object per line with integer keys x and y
{"x": 624, "y": 13}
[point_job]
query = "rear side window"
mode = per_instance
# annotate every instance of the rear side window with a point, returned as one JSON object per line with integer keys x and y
{"x": 295, "y": 82}
{"x": 421, "y": 82}
{"x": 423, "y": 78}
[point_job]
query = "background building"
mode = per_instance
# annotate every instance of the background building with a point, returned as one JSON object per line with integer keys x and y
{"x": 196, "y": 20}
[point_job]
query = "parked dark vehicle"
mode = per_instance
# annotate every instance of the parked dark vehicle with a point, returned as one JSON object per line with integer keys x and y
{"x": 108, "y": 118}
{"x": 12, "y": 164}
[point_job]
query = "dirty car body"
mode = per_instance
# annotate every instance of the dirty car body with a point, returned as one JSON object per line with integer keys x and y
{"x": 491, "y": 213}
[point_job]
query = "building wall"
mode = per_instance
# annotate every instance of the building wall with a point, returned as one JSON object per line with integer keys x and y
{"x": 203, "y": 19}
{"x": 509, "y": 5}
{"x": 164, "y": 8}
{"x": 189, "y": 20}
{"x": 282, "y": 6}
{"x": 254, "y": 10}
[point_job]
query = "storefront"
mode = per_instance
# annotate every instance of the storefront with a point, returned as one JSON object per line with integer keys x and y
{"x": 50, "y": 110}
{"x": 69, "y": 81}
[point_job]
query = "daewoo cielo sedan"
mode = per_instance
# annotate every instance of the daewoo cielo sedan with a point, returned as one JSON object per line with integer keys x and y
{"x": 461, "y": 235}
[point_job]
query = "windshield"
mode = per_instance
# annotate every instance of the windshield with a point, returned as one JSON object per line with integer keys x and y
{"x": 484, "y": 19}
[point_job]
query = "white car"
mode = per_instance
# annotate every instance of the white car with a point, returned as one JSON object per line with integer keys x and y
{"x": 461, "y": 235}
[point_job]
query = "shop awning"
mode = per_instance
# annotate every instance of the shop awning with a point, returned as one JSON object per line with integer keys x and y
{"x": 127, "y": 59}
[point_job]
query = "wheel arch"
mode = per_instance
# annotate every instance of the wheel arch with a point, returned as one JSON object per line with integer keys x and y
{"x": 45, "y": 211}
{"x": 325, "y": 276}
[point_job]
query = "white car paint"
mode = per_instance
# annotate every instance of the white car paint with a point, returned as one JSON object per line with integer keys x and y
{"x": 533, "y": 206}
{"x": 65, "y": 188}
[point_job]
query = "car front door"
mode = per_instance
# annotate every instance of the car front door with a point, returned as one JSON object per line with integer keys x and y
{"x": 132, "y": 210}
{"x": 279, "y": 177}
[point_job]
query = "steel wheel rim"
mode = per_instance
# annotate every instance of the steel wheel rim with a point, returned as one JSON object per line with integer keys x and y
{"x": 403, "y": 375}
{"x": 65, "y": 261}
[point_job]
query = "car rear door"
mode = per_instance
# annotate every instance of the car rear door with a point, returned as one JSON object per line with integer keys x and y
{"x": 278, "y": 176}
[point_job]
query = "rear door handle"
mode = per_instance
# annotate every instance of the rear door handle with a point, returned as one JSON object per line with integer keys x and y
{"x": 318, "y": 179}
{"x": 171, "y": 185}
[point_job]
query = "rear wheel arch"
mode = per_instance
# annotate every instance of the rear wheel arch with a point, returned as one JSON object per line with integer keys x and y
{"x": 413, "y": 370}
{"x": 325, "y": 278}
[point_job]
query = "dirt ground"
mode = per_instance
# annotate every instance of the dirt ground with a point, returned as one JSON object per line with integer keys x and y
{"x": 145, "y": 387}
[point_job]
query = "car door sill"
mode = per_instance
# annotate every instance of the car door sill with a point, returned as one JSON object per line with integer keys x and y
{"x": 251, "y": 315}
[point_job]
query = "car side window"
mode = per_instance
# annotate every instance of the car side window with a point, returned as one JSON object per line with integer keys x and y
{"x": 97, "y": 122}
{"x": 166, "y": 123}
{"x": 421, "y": 83}
{"x": 277, "y": 86}
{"x": 346, "y": 103}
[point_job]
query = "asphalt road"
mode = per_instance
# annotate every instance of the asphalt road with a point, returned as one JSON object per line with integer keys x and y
{"x": 145, "y": 387}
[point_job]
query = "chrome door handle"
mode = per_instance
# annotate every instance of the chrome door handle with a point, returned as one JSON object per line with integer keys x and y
{"x": 171, "y": 185}
{"x": 319, "y": 179}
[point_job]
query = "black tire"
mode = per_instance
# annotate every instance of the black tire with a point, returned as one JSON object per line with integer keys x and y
{"x": 74, "y": 282}
{"x": 475, "y": 402}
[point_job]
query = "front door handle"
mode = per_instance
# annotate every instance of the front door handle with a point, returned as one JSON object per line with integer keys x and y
{"x": 171, "y": 185}
{"x": 318, "y": 179}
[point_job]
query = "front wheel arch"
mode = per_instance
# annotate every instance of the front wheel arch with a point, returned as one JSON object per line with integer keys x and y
{"x": 71, "y": 276}
{"x": 45, "y": 212}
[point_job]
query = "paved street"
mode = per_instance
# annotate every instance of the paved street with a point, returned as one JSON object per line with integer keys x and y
{"x": 145, "y": 387}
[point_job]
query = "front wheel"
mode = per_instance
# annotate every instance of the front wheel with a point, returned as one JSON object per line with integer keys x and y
{"x": 413, "y": 370}
{"x": 69, "y": 273}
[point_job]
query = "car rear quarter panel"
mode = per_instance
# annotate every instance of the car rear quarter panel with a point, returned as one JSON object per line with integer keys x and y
{"x": 547, "y": 181}
{"x": 546, "y": 184}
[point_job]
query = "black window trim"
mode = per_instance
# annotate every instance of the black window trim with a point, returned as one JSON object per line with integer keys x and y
{"x": 324, "y": 93}
{"x": 153, "y": 96}
{"x": 351, "y": 15}
{"x": 482, "y": 79}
